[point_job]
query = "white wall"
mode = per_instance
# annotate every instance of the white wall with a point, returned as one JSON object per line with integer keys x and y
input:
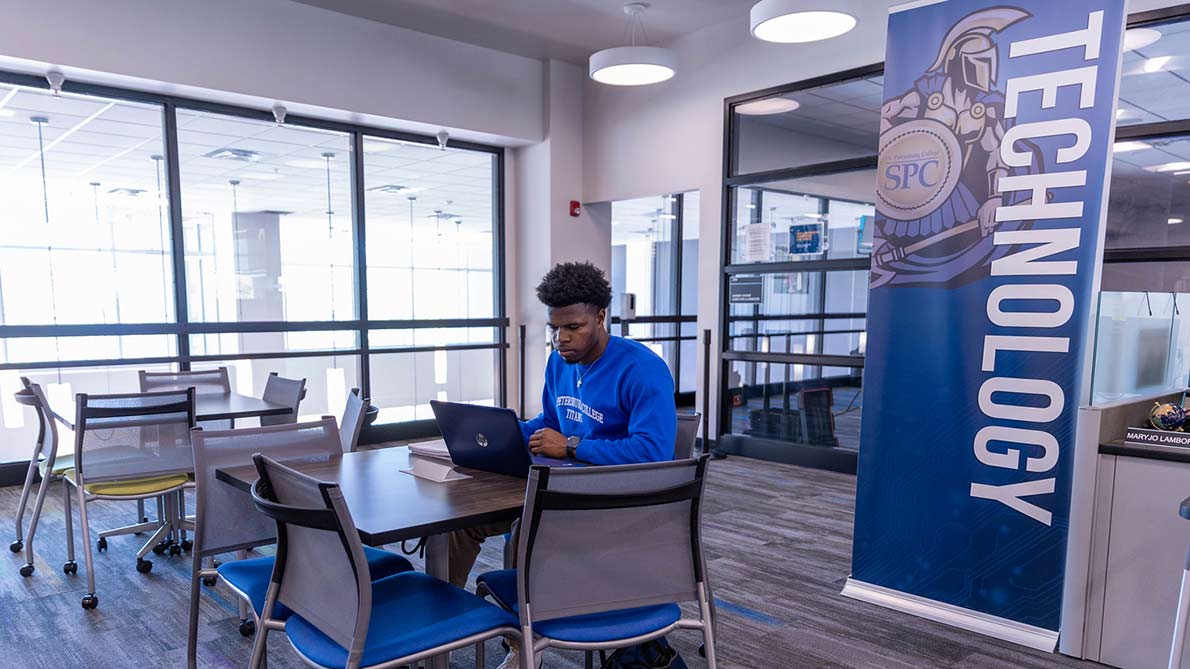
{"x": 284, "y": 51}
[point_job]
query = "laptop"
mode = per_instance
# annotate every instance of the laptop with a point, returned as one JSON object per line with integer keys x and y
{"x": 488, "y": 439}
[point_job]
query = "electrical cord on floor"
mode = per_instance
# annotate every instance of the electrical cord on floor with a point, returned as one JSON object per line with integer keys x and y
{"x": 419, "y": 548}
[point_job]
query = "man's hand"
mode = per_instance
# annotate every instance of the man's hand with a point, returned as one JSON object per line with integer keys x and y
{"x": 549, "y": 443}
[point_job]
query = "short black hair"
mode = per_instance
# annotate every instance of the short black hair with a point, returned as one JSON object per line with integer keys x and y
{"x": 574, "y": 283}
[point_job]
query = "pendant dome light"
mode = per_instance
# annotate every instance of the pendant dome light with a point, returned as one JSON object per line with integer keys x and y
{"x": 799, "y": 21}
{"x": 633, "y": 65}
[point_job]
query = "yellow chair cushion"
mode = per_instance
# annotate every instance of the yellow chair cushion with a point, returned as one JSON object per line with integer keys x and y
{"x": 133, "y": 487}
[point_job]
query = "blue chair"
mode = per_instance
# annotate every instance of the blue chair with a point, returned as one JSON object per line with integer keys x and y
{"x": 216, "y": 503}
{"x": 605, "y": 555}
{"x": 341, "y": 618}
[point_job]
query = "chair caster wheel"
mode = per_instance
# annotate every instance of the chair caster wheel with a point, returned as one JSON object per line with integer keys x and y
{"x": 102, "y": 544}
{"x": 216, "y": 562}
{"x": 144, "y": 566}
{"x": 175, "y": 549}
{"x": 89, "y": 602}
{"x": 26, "y": 570}
{"x": 247, "y": 627}
{"x": 160, "y": 548}
{"x": 702, "y": 649}
{"x": 16, "y": 546}
{"x": 70, "y": 568}
{"x": 209, "y": 581}
{"x": 187, "y": 545}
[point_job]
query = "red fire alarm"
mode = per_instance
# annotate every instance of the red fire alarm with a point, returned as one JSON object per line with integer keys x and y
{"x": 575, "y": 208}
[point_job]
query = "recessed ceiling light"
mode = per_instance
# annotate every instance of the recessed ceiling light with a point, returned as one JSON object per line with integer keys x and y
{"x": 800, "y": 21}
{"x": 1174, "y": 221}
{"x": 767, "y": 106}
{"x": 1157, "y": 64}
{"x": 1125, "y": 147}
{"x": 1139, "y": 38}
{"x": 633, "y": 65}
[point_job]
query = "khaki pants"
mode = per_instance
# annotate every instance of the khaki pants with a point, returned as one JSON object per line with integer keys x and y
{"x": 465, "y": 545}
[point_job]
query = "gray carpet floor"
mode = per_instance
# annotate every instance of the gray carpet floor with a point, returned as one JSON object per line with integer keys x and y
{"x": 778, "y": 541}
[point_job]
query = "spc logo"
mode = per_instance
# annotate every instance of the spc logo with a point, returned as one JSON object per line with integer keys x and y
{"x": 919, "y": 168}
{"x": 481, "y": 440}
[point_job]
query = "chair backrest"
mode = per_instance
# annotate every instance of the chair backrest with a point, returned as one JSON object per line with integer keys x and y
{"x": 687, "y": 435}
{"x": 320, "y": 566}
{"x": 285, "y": 391}
{"x": 225, "y": 518}
{"x": 353, "y": 421}
{"x": 133, "y": 434}
{"x": 47, "y": 426}
{"x": 599, "y": 539}
{"x": 206, "y": 382}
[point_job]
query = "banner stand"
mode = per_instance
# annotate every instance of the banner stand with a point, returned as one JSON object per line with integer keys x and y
{"x": 955, "y": 616}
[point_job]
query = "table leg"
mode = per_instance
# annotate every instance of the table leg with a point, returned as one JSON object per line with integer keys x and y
{"x": 438, "y": 566}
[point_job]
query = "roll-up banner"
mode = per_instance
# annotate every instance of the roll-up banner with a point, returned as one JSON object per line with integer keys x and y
{"x": 995, "y": 154}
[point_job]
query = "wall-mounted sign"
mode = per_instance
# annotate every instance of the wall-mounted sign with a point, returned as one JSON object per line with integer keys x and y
{"x": 746, "y": 290}
{"x": 805, "y": 238}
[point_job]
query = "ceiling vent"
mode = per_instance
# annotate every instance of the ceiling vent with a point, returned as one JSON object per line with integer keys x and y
{"x": 127, "y": 192}
{"x": 230, "y": 153}
{"x": 394, "y": 189}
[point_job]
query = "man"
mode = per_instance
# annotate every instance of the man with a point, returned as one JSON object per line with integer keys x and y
{"x": 607, "y": 400}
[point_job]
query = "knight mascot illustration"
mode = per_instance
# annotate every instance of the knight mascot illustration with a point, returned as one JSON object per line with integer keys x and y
{"x": 940, "y": 163}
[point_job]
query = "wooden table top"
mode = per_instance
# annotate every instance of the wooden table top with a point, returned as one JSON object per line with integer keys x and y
{"x": 389, "y": 505}
{"x": 206, "y": 407}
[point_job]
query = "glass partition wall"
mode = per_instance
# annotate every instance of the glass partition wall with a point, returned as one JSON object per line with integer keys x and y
{"x": 150, "y": 232}
{"x": 800, "y": 179}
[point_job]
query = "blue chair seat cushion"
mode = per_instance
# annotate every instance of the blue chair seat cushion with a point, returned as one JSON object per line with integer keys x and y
{"x": 411, "y": 612}
{"x": 589, "y": 628}
{"x": 251, "y": 577}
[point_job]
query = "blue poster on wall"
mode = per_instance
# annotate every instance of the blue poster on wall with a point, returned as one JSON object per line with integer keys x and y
{"x": 995, "y": 148}
{"x": 805, "y": 238}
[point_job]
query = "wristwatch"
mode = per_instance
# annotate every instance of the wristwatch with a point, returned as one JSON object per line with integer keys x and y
{"x": 572, "y": 445}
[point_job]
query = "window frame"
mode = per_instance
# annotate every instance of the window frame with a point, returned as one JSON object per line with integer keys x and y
{"x": 182, "y": 327}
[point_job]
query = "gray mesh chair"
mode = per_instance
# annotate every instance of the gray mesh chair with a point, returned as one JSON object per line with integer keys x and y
{"x": 130, "y": 447}
{"x": 589, "y": 578}
{"x": 50, "y": 463}
{"x": 687, "y": 434}
{"x": 285, "y": 391}
{"x": 341, "y": 618}
{"x": 353, "y": 421}
{"x": 216, "y": 503}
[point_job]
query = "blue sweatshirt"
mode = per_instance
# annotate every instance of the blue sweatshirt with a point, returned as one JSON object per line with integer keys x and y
{"x": 624, "y": 410}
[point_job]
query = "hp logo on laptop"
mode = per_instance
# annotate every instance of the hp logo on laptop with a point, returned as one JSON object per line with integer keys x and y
{"x": 481, "y": 440}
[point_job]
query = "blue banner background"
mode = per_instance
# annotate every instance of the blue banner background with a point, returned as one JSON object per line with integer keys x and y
{"x": 917, "y": 528}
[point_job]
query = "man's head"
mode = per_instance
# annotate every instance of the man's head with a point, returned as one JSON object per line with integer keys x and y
{"x": 576, "y": 296}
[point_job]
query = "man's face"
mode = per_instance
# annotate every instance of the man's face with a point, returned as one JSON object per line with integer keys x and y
{"x": 575, "y": 330}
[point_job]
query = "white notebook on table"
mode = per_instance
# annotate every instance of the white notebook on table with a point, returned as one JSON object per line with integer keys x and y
{"x": 431, "y": 449}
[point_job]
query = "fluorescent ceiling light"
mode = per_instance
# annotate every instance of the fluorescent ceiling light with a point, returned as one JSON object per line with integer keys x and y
{"x": 1139, "y": 38}
{"x": 260, "y": 176}
{"x": 232, "y": 153}
{"x": 1125, "y": 147}
{"x": 377, "y": 147}
{"x": 1182, "y": 173}
{"x": 1174, "y": 221}
{"x": 1157, "y": 64}
{"x": 767, "y": 106}
{"x": 7, "y": 113}
{"x": 800, "y": 21}
{"x": 633, "y": 65}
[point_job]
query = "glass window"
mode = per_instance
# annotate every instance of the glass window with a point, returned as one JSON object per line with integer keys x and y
{"x": 448, "y": 375}
{"x": 817, "y": 125}
{"x": 1152, "y": 82}
{"x": 431, "y": 231}
{"x": 86, "y": 233}
{"x": 643, "y": 261}
{"x": 267, "y": 220}
{"x": 328, "y": 380}
{"x": 796, "y": 403}
{"x": 1149, "y": 204}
